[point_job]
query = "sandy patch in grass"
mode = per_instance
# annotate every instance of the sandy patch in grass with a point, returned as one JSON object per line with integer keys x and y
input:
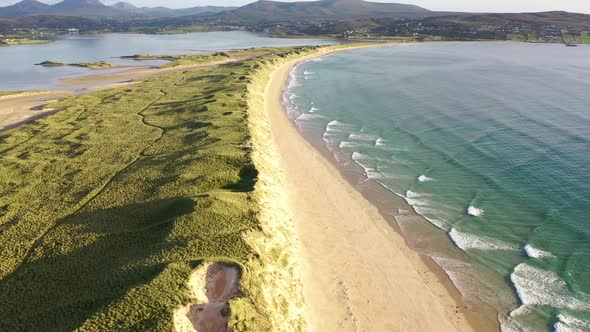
{"x": 212, "y": 285}
{"x": 21, "y": 108}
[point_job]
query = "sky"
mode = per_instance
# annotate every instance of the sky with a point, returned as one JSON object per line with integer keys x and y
{"x": 580, "y": 6}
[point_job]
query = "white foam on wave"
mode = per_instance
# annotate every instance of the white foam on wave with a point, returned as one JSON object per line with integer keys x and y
{"x": 339, "y": 127}
{"x": 362, "y": 137}
{"x": 416, "y": 199}
{"x": 509, "y": 324}
{"x": 293, "y": 83}
{"x": 567, "y": 323}
{"x": 424, "y": 178}
{"x": 413, "y": 194}
{"x": 364, "y": 161}
{"x": 313, "y": 109}
{"x": 319, "y": 59}
{"x": 308, "y": 72}
{"x": 467, "y": 241}
{"x": 330, "y": 139}
{"x": 476, "y": 212}
{"x": 536, "y": 286}
{"x": 533, "y": 252}
{"x": 308, "y": 117}
{"x": 349, "y": 145}
{"x": 420, "y": 204}
{"x": 427, "y": 213}
{"x": 379, "y": 142}
{"x": 523, "y": 310}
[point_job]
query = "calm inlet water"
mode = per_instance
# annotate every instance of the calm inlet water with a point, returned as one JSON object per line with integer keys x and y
{"x": 488, "y": 142}
{"x": 18, "y": 72}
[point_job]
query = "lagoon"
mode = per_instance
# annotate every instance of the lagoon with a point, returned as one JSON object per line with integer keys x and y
{"x": 18, "y": 70}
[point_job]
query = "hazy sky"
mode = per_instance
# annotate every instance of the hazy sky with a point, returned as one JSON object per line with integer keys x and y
{"x": 581, "y": 6}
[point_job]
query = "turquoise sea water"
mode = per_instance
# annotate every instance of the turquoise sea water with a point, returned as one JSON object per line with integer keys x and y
{"x": 488, "y": 142}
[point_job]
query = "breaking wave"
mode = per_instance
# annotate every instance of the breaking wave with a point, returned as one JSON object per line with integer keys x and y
{"x": 476, "y": 212}
{"x": 533, "y": 252}
{"x": 466, "y": 241}
{"x": 536, "y": 286}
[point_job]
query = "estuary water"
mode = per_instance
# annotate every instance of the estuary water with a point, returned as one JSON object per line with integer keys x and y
{"x": 488, "y": 142}
{"x": 18, "y": 70}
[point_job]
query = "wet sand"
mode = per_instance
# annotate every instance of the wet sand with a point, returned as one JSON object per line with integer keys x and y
{"x": 358, "y": 272}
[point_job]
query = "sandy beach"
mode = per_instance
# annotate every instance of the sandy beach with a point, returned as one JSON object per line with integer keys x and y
{"x": 358, "y": 273}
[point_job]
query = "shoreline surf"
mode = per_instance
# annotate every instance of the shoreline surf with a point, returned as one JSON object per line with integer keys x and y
{"x": 341, "y": 288}
{"x": 370, "y": 112}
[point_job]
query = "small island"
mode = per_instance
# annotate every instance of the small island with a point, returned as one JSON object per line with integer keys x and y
{"x": 90, "y": 65}
{"x": 22, "y": 41}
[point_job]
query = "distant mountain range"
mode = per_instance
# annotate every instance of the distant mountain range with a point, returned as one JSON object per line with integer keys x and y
{"x": 267, "y": 11}
{"x": 261, "y": 11}
{"x": 344, "y": 18}
{"x": 95, "y": 8}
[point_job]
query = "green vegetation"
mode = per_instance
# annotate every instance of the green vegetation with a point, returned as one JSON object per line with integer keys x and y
{"x": 195, "y": 59}
{"x": 107, "y": 206}
{"x": 182, "y": 60}
{"x": 567, "y": 36}
{"x": 13, "y": 42}
{"x": 10, "y": 93}
{"x": 91, "y": 65}
{"x": 140, "y": 57}
{"x": 50, "y": 64}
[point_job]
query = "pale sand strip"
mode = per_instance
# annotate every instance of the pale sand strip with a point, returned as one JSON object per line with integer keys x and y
{"x": 358, "y": 273}
{"x": 21, "y": 108}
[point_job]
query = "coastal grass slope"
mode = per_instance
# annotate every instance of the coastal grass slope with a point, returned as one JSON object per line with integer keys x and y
{"x": 109, "y": 205}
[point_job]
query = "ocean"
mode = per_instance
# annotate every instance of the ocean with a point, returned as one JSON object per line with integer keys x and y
{"x": 489, "y": 143}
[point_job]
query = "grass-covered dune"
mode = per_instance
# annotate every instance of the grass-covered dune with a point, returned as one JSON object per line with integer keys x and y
{"x": 107, "y": 206}
{"x": 186, "y": 59}
{"x": 14, "y": 93}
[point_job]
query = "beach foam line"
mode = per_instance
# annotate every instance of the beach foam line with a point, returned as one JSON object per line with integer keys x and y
{"x": 536, "y": 286}
{"x": 309, "y": 117}
{"x": 348, "y": 145}
{"x": 362, "y": 137}
{"x": 567, "y": 323}
{"x": 467, "y": 241}
{"x": 340, "y": 282}
{"x": 339, "y": 127}
{"x": 533, "y": 252}
{"x": 370, "y": 172}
